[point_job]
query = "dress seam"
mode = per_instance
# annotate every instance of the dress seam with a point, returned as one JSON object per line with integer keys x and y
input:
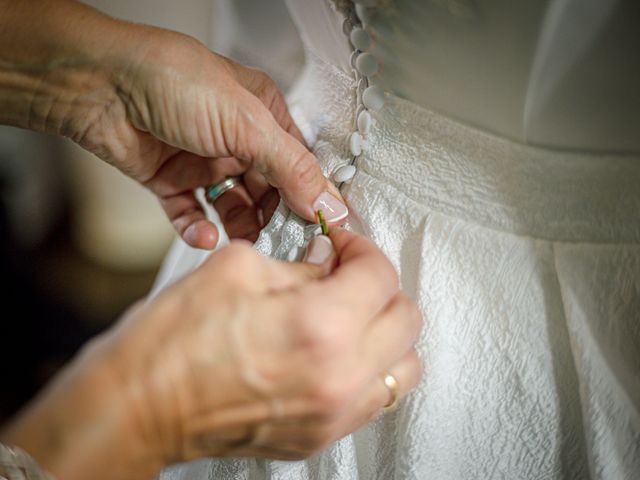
{"x": 585, "y": 451}
{"x": 431, "y": 209}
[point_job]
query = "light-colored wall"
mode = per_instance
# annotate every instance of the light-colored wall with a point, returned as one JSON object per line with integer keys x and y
{"x": 117, "y": 222}
{"x": 187, "y": 16}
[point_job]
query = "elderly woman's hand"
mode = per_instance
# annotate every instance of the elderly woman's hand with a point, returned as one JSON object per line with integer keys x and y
{"x": 162, "y": 108}
{"x": 245, "y": 357}
{"x": 185, "y": 117}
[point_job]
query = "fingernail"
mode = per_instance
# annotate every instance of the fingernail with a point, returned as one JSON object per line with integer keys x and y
{"x": 319, "y": 250}
{"x": 334, "y": 210}
{"x": 191, "y": 234}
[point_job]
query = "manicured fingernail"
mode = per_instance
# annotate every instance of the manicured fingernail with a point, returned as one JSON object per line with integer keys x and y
{"x": 190, "y": 235}
{"x": 319, "y": 250}
{"x": 201, "y": 235}
{"x": 334, "y": 210}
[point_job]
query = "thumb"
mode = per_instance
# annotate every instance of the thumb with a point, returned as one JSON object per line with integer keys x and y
{"x": 319, "y": 260}
{"x": 320, "y": 251}
{"x": 286, "y": 163}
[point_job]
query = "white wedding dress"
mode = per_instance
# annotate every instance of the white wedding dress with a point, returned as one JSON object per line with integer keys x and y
{"x": 502, "y": 179}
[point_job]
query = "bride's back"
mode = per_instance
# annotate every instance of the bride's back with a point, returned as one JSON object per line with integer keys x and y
{"x": 524, "y": 259}
{"x": 560, "y": 73}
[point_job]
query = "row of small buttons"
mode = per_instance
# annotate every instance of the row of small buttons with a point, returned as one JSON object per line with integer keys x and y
{"x": 370, "y": 97}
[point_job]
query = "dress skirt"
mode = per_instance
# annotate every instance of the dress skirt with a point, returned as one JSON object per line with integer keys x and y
{"x": 526, "y": 264}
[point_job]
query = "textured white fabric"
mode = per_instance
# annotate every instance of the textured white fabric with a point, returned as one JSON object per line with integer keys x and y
{"x": 526, "y": 264}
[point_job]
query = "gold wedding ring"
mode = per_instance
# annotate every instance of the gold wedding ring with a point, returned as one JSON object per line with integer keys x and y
{"x": 392, "y": 385}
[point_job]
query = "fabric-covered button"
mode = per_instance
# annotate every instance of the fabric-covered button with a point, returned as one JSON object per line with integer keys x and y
{"x": 360, "y": 39}
{"x": 363, "y": 13}
{"x": 355, "y": 144}
{"x": 366, "y": 64}
{"x": 373, "y": 98}
{"x": 344, "y": 173}
{"x": 364, "y": 122}
{"x": 354, "y": 57}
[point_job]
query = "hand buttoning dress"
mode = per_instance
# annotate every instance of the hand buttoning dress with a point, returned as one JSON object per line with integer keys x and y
{"x": 502, "y": 178}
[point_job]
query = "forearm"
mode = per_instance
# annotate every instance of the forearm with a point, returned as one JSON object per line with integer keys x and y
{"x": 79, "y": 428}
{"x": 54, "y": 60}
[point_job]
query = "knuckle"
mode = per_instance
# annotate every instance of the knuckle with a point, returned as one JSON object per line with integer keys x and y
{"x": 258, "y": 75}
{"x": 255, "y": 117}
{"x": 405, "y": 303}
{"x": 321, "y": 338}
{"x": 234, "y": 255}
{"x": 319, "y": 332}
{"x": 242, "y": 251}
{"x": 235, "y": 262}
{"x": 265, "y": 87}
{"x": 330, "y": 396}
{"x": 386, "y": 272}
{"x": 252, "y": 116}
{"x": 410, "y": 312}
{"x": 266, "y": 82}
{"x": 304, "y": 170}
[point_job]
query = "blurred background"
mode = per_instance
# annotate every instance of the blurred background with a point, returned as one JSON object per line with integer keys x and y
{"x": 80, "y": 242}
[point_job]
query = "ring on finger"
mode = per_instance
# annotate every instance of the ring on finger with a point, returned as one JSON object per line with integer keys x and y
{"x": 392, "y": 385}
{"x": 215, "y": 191}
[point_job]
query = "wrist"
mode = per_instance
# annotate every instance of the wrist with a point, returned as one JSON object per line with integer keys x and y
{"x": 55, "y": 75}
{"x": 81, "y": 427}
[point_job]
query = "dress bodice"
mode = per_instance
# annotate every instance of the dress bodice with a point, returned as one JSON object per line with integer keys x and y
{"x": 524, "y": 259}
{"x": 557, "y": 73}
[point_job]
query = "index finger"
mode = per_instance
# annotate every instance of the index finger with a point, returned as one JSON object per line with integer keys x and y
{"x": 285, "y": 162}
{"x": 364, "y": 281}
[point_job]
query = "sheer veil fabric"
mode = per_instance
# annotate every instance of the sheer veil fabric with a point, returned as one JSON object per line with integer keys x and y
{"x": 513, "y": 221}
